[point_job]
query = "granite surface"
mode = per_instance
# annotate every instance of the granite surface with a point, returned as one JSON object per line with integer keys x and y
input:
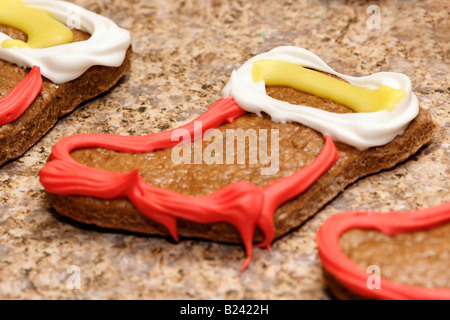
{"x": 184, "y": 52}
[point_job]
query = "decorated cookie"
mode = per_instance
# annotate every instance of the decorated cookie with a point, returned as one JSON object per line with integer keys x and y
{"x": 53, "y": 56}
{"x": 395, "y": 255}
{"x": 288, "y": 135}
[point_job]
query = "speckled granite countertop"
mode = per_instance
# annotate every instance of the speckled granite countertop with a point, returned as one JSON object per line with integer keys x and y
{"x": 184, "y": 52}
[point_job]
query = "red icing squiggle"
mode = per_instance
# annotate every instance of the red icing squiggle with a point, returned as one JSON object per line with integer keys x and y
{"x": 354, "y": 277}
{"x": 242, "y": 204}
{"x": 21, "y": 96}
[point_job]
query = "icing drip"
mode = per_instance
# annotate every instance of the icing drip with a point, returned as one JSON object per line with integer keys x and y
{"x": 20, "y": 97}
{"x": 242, "y": 204}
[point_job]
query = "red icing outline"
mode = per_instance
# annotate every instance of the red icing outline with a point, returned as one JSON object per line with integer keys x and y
{"x": 14, "y": 104}
{"x": 241, "y": 204}
{"x": 354, "y": 277}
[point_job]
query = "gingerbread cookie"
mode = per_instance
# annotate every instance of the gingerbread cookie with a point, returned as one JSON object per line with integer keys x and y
{"x": 395, "y": 255}
{"x": 326, "y": 130}
{"x": 53, "y": 56}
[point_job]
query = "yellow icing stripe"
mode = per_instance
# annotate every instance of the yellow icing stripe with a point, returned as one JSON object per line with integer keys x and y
{"x": 41, "y": 28}
{"x": 360, "y": 99}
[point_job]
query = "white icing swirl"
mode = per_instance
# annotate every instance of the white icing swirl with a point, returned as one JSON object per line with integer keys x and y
{"x": 361, "y": 130}
{"x": 107, "y": 45}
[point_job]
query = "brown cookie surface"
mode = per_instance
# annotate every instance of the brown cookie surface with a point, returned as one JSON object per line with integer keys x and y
{"x": 298, "y": 146}
{"x": 54, "y": 101}
{"x": 418, "y": 258}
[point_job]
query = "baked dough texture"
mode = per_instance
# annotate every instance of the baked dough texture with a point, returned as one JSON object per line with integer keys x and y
{"x": 298, "y": 145}
{"x": 54, "y": 101}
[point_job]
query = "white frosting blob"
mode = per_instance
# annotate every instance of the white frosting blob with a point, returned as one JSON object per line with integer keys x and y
{"x": 107, "y": 45}
{"x": 361, "y": 130}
